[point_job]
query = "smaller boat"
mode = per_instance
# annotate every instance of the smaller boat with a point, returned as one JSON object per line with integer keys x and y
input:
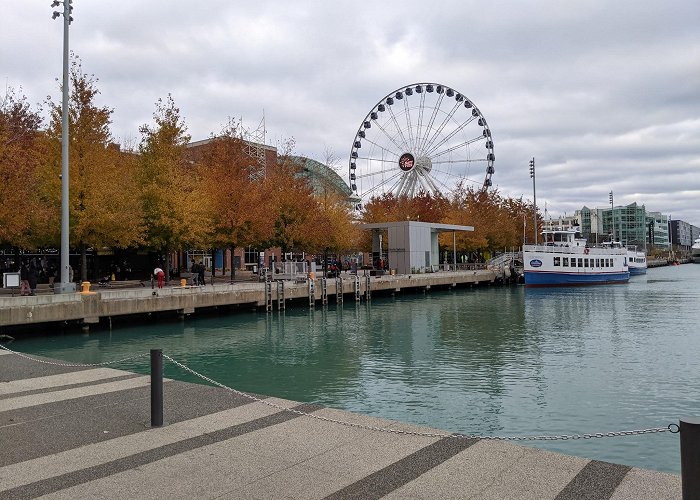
{"x": 636, "y": 261}
{"x": 695, "y": 251}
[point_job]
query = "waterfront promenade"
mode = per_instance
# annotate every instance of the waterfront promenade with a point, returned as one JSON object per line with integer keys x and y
{"x": 83, "y": 432}
{"x": 102, "y": 304}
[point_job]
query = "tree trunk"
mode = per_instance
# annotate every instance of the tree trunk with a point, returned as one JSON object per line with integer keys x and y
{"x": 233, "y": 263}
{"x": 213, "y": 264}
{"x": 83, "y": 263}
{"x": 167, "y": 264}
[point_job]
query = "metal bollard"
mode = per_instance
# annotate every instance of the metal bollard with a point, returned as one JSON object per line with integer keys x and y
{"x": 156, "y": 387}
{"x": 690, "y": 458}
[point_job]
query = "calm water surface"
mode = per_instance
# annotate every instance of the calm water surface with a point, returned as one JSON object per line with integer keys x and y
{"x": 497, "y": 361}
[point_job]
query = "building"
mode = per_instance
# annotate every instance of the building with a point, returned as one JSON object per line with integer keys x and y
{"x": 658, "y": 226}
{"x": 683, "y": 234}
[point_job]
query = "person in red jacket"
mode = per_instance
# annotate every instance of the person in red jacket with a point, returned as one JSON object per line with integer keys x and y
{"x": 158, "y": 273}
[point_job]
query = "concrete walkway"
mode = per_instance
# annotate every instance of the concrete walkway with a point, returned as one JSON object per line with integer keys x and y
{"x": 83, "y": 432}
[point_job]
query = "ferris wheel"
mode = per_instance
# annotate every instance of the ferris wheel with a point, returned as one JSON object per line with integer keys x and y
{"x": 421, "y": 137}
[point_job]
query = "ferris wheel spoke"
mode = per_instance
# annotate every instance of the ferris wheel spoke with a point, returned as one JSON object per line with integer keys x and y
{"x": 384, "y": 182}
{"x": 458, "y": 146}
{"x": 374, "y": 172}
{"x": 389, "y": 136}
{"x": 383, "y": 148}
{"x": 409, "y": 127}
{"x": 429, "y": 127}
{"x": 463, "y": 160}
{"x": 445, "y": 121}
{"x": 421, "y": 108}
{"x": 445, "y": 139}
{"x": 427, "y": 182}
{"x": 398, "y": 127}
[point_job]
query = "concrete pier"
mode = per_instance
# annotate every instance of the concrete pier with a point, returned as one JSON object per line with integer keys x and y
{"x": 89, "y": 308}
{"x": 83, "y": 432}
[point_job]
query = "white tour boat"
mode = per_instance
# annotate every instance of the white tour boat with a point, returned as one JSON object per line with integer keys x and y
{"x": 695, "y": 251}
{"x": 636, "y": 260}
{"x": 565, "y": 259}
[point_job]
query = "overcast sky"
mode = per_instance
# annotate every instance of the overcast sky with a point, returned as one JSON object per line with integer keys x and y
{"x": 605, "y": 95}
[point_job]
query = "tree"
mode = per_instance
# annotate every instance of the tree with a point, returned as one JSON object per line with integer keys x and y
{"x": 22, "y": 148}
{"x": 290, "y": 208}
{"x": 176, "y": 210}
{"x": 103, "y": 197}
{"x": 235, "y": 195}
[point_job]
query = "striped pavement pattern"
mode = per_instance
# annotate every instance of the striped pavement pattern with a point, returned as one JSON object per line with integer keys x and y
{"x": 83, "y": 432}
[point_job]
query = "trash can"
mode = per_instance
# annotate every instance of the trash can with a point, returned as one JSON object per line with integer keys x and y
{"x": 183, "y": 282}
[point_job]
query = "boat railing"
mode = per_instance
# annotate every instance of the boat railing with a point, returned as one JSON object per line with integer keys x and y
{"x": 574, "y": 250}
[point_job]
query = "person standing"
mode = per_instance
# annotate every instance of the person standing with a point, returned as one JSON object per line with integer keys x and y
{"x": 200, "y": 271}
{"x": 158, "y": 273}
{"x": 32, "y": 277}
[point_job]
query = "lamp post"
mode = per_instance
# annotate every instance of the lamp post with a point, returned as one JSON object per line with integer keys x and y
{"x": 65, "y": 248}
{"x": 534, "y": 196}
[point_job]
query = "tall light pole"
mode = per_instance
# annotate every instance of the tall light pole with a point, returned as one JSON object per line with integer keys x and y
{"x": 534, "y": 196}
{"x": 65, "y": 247}
{"x": 612, "y": 215}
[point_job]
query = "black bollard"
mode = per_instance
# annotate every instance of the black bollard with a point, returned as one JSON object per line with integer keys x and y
{"x": 156, "y": 388}
{"x": 690, "y": 458}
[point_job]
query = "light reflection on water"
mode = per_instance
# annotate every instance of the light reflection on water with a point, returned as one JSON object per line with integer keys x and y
{"x": 495, "y": 361}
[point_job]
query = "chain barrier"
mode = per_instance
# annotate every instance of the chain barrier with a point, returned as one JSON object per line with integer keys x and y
{"x": 562, "y": 437}
{"x": 73, "y": 364}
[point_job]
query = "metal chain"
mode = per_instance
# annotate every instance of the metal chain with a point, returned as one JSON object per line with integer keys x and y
{"x": 417, "y": 433}
{"x": 72, "y": 364}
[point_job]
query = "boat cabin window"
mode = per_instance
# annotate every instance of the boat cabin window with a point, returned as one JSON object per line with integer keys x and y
{"x": 580, "y": 263}
{"x": 597, "y": 263}
{"x": 566, "y": 262}
{"x": 573, "y": 262}
{"x": 557, "y": 261}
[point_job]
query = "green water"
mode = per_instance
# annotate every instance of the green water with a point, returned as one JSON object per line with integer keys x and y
{"x": 489, "y": 361}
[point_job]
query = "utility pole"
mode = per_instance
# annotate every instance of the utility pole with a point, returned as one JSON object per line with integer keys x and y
{"x": 534, "y": 196}
{"x": 612, "y": 215}
{"x": 65, "y": 230}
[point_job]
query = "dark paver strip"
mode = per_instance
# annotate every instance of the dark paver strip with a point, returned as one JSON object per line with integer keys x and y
{"x": 69, "y": 480}
{"x": 81, "y": 421}
{"x": 407, "y": 469}
{"x": 596, "y": 481}
{"x": 55, "y": 388}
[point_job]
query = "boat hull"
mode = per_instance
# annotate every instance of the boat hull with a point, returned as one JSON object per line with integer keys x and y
{"x": 543, "y": 278}
{"x": 637, "y": 271}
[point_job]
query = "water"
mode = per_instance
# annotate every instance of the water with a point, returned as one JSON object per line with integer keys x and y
{"x": 495, "y": 361}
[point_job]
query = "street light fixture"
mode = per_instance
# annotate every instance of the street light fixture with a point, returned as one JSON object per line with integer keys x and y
{"x": 534, "y": 196}
{"x": 65, "y": 286}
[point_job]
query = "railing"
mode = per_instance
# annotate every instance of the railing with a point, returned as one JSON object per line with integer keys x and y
{"x": 576, "y": 250}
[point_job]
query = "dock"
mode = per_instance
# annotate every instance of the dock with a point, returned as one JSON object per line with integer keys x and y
{"x": 101, "y": 304}
{"x": 74, "y": 432}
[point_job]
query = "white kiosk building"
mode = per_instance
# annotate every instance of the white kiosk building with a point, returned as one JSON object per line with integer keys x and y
{"x": 412, "y": 245}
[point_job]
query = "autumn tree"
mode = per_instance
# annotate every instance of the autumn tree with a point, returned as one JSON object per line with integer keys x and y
{"x": 176, "y": 210}
{"x": 290, "y": 208}
{"x": 234, "y": 193}
{"x": 103, "y": 197}
{"x": 22, "y": 213}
